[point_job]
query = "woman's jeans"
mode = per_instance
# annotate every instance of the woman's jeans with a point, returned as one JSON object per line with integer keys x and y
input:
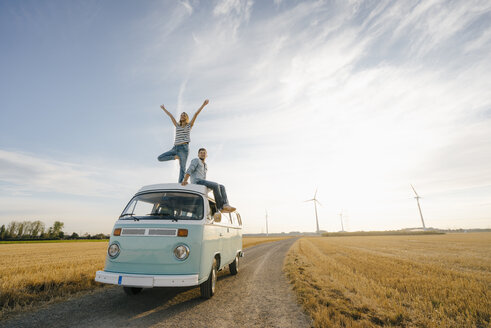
{"x": 182, "y": 151}
{"x": 218, "y": 191}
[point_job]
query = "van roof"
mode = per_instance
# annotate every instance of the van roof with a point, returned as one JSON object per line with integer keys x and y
{"x": 176, "y": 186}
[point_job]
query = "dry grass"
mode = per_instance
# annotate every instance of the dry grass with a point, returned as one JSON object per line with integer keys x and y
{"x": 252, "y": 241}
{"x": 40, "y": 272}
{"x": 35, "y": 273}
{"x": 403, "y": 281}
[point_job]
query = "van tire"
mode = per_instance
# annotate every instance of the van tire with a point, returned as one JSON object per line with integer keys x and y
{"x": 234, "y": 266}
{"x": 208, "y": 287}
{"x": 130, "y": 291}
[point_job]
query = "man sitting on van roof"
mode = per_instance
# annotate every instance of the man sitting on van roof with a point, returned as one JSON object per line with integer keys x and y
{"x": 197, "y": 171}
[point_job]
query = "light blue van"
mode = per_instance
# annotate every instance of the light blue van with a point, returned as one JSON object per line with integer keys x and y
{"x": 170, "y": 236}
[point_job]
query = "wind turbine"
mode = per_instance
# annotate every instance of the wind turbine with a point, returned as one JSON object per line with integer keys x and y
{"x": 419, "y": 207}
{"x": 267, "y": 231}
{"x": 341, "y": 217}
{"x": 315, "y": 206}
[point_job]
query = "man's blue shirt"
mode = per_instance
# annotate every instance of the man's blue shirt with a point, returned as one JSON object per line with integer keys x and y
{"x": 197, "y": 170}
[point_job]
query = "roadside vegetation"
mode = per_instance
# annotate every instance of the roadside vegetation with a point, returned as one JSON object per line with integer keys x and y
{"x": 383, "y": 233}
{"x": 36, "y": 230}
{"x": 401, "y": 281}
{"x": 44, "y": 241}
{"x": 36, "y": 273}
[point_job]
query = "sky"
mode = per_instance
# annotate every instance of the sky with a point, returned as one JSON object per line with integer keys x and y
{"x": 355, "y": 99}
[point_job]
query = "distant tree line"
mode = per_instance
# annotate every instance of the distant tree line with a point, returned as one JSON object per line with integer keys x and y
{"x": 36, "y": 230}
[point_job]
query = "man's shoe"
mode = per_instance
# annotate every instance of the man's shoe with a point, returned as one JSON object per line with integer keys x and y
{"x": 228, "y": 209}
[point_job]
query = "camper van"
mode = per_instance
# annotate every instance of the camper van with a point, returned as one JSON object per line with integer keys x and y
{"x": 171, "y": 236}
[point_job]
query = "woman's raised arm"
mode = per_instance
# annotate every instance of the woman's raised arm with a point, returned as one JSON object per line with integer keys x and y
{"x": 198, "y": 111}
{"x": 170, "y": 115}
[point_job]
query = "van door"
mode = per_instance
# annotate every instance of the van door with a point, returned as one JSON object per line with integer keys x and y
{"x": 236, "y": 240}
{"x": 228, "y": 233}
{"x": 215, "y": 232}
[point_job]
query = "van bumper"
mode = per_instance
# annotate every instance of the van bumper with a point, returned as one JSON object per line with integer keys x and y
{"x": 146, "y": 281}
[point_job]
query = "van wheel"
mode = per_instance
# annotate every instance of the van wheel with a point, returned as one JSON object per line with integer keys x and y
{"x": 208, "y": 287}
{"x": 132, "y": 290}
{"x": 234, "y": 266}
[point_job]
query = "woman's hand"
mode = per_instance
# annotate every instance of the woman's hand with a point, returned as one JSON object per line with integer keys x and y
{"x": 198, "y": 111}
{"x": 170, "y": 115}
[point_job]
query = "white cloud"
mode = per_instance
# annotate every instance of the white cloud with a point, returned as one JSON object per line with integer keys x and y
{"x": 481, "y": 43}
{"x": 429, "y": 24}
{"x": 87, "y": 196}
{"x": 239, "y": 8}
{"x": 365, "y": 133}
{"x": 188, "y": 6}
{"x": 29, "y": 173}
{"x": 277, "y": 2}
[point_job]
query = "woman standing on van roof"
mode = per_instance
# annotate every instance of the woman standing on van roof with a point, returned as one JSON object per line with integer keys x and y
{"x": 180, "y": 150}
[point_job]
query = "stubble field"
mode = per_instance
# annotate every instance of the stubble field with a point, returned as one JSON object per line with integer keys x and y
{"x": 403, "y": 281}
{"x": 37, "y": 273}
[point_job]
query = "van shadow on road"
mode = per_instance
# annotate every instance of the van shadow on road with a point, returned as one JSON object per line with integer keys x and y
{"x": 156, "y": 305}
{"x": 111, "y": 307}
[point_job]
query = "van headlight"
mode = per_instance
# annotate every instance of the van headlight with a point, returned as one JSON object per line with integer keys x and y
{"x": 113, "y": 250}
{"x": 181, "y": 252}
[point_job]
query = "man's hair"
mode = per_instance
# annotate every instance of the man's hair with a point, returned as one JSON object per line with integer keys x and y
{"x": 201, "y": 149}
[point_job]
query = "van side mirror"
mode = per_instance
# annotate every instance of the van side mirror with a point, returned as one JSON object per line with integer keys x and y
{"x": 217, "y": 217}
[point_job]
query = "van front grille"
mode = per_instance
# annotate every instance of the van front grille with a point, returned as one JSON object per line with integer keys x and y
{"x": 132, "y": 232}
{"x": 162, "y": 232}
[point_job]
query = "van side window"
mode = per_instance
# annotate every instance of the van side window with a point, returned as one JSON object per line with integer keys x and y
{"x": 213, "y": 207}
{"x": 211, "y": 195}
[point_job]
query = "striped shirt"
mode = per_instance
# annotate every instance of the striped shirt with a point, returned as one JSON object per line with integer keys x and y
{"x": 182, "y": 134}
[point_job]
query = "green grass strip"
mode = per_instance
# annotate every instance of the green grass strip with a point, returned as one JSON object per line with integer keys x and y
{"x": 52, "y": 241}
{"x": 381, "y": 233}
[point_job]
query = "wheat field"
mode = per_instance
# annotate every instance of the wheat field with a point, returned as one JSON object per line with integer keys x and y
{"x": 36, "y": 273}
{"x": 401, "y": 281}
{"x": 41, "y": 272}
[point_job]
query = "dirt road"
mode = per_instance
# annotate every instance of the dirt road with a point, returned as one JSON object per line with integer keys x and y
{"x": 259, "y": 296}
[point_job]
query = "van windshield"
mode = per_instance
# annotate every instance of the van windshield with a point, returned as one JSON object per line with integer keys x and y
{"x": 164, "y": 206}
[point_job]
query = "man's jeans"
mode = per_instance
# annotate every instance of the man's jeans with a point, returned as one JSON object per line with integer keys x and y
{"x": 218, "y": 191}
{"x": 182, "y": 151}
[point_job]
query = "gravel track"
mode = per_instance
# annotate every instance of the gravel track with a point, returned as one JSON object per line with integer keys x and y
{"x": 259, "y": 296}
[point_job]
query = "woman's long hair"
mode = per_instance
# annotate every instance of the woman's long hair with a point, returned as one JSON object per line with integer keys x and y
{"x": 185, "y": 121}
